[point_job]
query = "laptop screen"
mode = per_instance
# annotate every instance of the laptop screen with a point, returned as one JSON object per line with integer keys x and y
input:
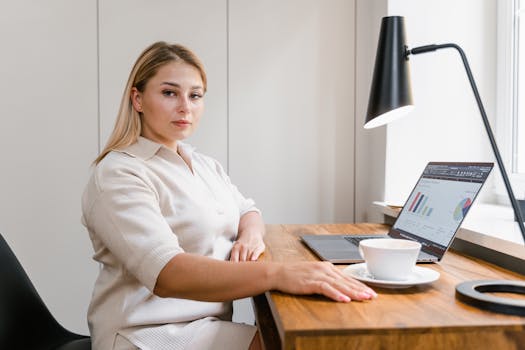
{"x": 439, "y": 202}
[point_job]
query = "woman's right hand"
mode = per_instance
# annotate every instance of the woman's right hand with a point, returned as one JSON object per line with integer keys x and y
{"x": 320, "y": 278}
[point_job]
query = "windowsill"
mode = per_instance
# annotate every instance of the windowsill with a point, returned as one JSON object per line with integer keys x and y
{"x": 487, "y": 225}
{"x": 492, "y": 226}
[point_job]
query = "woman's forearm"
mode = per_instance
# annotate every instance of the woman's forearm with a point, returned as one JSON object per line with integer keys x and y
{"x": 201, "y": 278}
{"x": 251, "y": 223}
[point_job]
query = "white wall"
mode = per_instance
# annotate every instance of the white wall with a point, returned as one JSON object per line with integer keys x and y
{"x": 291, "y": 98}
{"x": 370, "y": 144}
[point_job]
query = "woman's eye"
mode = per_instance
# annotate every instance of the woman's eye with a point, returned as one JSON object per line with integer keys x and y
{"x": 195, "y": 96}
{"x": 168, "y": 93}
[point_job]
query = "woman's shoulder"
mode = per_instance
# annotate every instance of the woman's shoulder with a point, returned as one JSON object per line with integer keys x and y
{"x": 105, "y": 175}
{"x": 116, "y": 160}
{"x": 116, "y": 166}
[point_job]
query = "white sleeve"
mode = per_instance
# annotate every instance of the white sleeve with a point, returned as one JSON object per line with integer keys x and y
{"x": 245, "y": 204}
{"x": 124, "y": 214}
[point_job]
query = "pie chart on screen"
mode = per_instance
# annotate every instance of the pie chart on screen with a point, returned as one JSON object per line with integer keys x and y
{"x": 462, "y": 209}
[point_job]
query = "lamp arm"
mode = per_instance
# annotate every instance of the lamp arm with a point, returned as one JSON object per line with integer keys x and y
{"x": 429, "y": 48}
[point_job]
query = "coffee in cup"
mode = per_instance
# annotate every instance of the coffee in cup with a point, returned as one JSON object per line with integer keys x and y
{"x": 390, "y": 259}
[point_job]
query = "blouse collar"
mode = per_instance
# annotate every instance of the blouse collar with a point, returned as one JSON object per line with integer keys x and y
{"x": 145, "y": 149}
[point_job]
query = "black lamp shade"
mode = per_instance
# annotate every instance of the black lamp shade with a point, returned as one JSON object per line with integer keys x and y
{"x": 391, "y": 93}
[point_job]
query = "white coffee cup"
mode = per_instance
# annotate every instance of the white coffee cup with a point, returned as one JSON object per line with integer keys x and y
{"x": 388, "y": 258}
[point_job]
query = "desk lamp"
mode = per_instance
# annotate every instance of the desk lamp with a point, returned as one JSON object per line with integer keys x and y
{"x": 391, "y": 98}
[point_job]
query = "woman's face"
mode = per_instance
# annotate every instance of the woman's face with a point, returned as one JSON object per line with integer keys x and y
{"x": 171, "y": 103}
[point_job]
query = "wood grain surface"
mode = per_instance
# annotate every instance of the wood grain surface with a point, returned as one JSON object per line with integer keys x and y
{"x": 420, "y": 317}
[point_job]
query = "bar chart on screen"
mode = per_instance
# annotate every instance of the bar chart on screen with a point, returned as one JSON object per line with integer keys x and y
{"x": 421, "y": 205}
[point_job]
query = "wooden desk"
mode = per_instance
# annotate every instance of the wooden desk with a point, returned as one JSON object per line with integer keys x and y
{"x": 420, "y": 317}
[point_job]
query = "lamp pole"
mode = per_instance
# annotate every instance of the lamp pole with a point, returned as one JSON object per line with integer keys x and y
{"x": 499, "y": 160}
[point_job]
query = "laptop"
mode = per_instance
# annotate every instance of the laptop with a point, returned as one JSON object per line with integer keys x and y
{"x": 431, "y": 216}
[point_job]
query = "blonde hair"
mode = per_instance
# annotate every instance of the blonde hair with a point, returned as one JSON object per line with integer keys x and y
{"x": 127, "y": 127}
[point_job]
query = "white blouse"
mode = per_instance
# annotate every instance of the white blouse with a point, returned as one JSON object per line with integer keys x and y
{"x": 142, "y": 206}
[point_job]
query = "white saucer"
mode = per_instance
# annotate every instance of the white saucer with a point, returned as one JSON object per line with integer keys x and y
{"x": 421, "y": 275}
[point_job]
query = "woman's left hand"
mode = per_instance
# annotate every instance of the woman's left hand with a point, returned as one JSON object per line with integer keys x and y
{"x": 249, "y": 244}
{"x": 248, "y": 247}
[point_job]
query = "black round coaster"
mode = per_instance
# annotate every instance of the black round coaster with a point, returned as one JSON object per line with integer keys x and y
{"x": 473, "y": 293}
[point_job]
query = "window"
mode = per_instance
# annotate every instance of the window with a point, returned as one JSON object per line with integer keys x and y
{"x": 510, "y": 120}
{"x": 518, "y": 151}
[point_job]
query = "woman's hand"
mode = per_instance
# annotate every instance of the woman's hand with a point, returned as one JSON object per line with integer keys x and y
{"x": 249, "y": 244}
{"x": 248, "y": 247}
{"x": 320, "y": 278}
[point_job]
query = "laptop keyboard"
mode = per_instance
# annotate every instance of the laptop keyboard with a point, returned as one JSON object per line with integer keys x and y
{"x": 356, "y": 239}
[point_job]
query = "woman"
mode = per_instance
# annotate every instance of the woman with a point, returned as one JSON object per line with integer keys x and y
{"x": 176, "y": 240}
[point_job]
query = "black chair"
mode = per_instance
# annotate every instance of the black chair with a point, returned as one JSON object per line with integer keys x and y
{"x": 25, "y": 321}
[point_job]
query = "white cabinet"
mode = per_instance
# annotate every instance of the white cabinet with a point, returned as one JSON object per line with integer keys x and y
{"x": 291, "y": 101}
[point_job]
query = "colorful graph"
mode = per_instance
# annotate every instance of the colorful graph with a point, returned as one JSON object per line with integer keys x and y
{"x": 419, "y": 205}
{"x": 462, "y": 209}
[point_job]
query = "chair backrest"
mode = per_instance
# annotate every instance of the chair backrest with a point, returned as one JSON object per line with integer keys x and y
{"x": 25, "y": 321}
